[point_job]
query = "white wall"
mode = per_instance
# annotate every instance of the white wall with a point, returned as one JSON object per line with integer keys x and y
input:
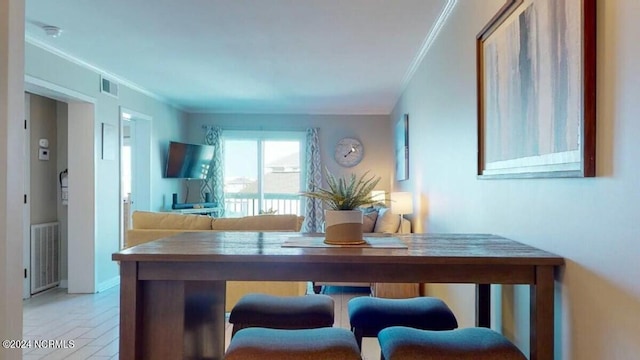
{"x": 44, "y": 173}
{"x": 593, "y": 222}
{"x": 11, "y": 177}
{"x": 371, "y": 130}
{"x": 82, "y": 210}
{"x": 95, "y": 204}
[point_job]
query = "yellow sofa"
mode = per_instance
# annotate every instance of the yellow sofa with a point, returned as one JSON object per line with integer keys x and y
{"x": 149, "y": 226}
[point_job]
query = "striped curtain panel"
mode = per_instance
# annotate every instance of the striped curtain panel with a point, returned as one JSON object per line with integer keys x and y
{"x": 314, "y": 214}
{"x": 215, "y": 183}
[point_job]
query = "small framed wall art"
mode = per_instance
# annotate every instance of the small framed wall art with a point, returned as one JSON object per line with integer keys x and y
{"x": 402, "y": 147}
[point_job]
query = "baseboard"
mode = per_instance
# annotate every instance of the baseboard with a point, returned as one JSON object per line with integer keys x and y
{"x": 114, "y": 281}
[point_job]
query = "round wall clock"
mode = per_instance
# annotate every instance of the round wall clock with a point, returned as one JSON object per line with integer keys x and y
{"x": 348, "y": 152}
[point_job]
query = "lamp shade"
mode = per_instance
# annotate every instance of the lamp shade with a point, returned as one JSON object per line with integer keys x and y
{"x": 401, "y": 203}
{"x": 378, "y": 196}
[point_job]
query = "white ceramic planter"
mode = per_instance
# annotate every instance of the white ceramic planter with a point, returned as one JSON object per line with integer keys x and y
{"x": 343, "y": 227}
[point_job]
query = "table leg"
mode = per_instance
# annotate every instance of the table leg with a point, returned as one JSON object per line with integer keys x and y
{"x": 483, "y": 305}
{"x": 181, "y": 320}
{"x": 204, "y": 320}
{"x": 130, "y": 312}
{"x": 542, "y": 336}
{"x": 163, "y": 319}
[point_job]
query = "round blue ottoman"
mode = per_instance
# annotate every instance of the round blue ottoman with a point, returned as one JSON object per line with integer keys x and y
{"x": 403, "y": 343}
{"x": 282, "y": 312}
{"x": 327, "y": 343}
{"x": 368, "y": 315}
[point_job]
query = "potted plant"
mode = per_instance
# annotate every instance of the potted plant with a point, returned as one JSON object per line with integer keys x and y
{"x": 343, "y": 197}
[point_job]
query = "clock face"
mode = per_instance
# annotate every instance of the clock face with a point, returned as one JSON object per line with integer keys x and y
{"x": 349, "y": 152}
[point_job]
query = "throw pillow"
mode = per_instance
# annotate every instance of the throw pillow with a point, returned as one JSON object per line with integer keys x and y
{"x": 387, "y": 222}
{"x": 369, "y": 221}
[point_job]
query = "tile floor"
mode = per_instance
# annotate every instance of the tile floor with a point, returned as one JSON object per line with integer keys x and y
{"x": 91, "y": 322}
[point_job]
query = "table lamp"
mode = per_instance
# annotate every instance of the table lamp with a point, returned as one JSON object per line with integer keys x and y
{"x": 401, "y": 203}
{"x": 378, "y": 196}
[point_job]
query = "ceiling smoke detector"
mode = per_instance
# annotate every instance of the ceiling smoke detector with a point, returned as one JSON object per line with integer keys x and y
{"x": 52, "y": 31}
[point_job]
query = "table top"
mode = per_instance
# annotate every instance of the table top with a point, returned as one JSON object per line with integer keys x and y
{"x": 268, "y": 247}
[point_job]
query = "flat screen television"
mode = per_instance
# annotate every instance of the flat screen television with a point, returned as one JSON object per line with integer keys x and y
{"x": 188, "y": 161}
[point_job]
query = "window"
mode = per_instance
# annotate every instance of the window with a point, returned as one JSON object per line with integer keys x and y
{"x": 263, "y": 172}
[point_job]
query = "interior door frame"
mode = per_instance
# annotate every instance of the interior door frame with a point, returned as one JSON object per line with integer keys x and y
{"x": 26, "y": 209}
{"x": 141, "y": 161}
{"x": 76, "y": 101}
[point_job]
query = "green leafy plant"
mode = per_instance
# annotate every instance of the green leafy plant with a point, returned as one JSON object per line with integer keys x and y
{"x": 346, "y": 194}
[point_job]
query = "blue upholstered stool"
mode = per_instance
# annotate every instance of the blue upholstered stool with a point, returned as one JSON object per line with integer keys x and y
{"x": 403, "y": 343}
{"x": 282, "y": 312}
{"x": 327, "y": 343}
{"x": 368, "y": 315}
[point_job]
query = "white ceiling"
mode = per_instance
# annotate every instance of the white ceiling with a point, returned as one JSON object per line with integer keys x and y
{"x": 248, "y": 56}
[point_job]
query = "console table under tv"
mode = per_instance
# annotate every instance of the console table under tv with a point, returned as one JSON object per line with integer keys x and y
{"x": 211, "y": 211}
{"x": 171, "y": 286}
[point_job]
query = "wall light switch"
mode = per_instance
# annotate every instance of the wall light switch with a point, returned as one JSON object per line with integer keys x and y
{"x": 43, "y": 154}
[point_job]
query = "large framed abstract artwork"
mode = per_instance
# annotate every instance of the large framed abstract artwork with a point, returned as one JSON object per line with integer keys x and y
{"x": 536, "y": 73}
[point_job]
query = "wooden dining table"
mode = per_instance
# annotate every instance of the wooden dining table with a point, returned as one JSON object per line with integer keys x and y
{"x": 172, "y": 290}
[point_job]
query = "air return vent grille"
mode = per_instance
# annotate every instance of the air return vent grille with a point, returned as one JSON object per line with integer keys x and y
{"x": 108, "y": 87}
{"x": 45, "y": 256}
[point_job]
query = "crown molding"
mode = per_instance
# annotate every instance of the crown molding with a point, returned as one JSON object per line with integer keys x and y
{"x": 119, "y": 79}
{"x": 426, "y": 44}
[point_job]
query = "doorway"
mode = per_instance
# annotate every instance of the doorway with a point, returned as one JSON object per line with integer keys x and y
{"x": 135, "y": 167}
{"x": 74, "y": 247}
{"x": 45, "y": 230}
{"x": 126, "y": 170}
